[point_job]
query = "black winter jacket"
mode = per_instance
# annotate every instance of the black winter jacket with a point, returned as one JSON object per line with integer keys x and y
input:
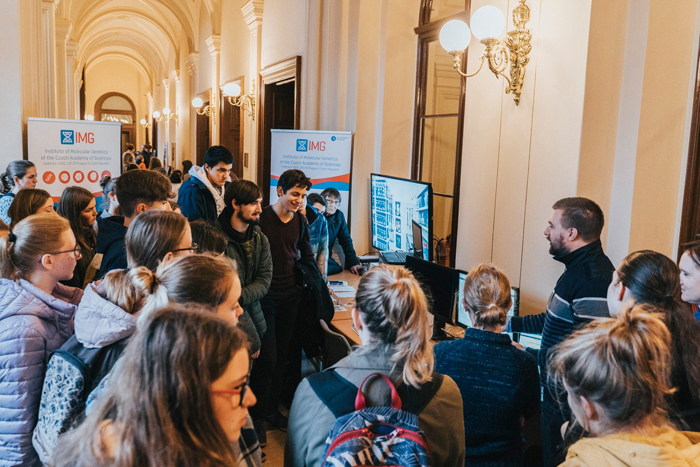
{"x": 316, "y": 304}
{"x": 111, "y": 243}
{"x": 338, "y": 228}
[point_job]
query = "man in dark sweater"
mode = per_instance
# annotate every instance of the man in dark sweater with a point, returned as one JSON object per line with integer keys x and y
{"x": 137, "y": 191}
{"x": 288, "y": 233}
{"x": 579, "y": 296}
{"x": 338, "y": 229}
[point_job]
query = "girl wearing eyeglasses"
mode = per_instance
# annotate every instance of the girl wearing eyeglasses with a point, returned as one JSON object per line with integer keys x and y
{"x": 158, "y": 236}
{"x": 182, "y": 398}
{"x": 36, "y": 318}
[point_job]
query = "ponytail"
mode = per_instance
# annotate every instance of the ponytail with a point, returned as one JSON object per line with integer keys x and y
{"x": 394, "y": 310}
{"x": 156, "y": 294}
{"x": 487, "y": 295}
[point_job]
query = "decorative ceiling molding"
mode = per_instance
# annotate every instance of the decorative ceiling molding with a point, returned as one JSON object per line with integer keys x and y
{"x": 63, "y": 29}
{"x": 253, "y": 13}
{"x": 214, "y": 44}
{"x": 192, "y": 63}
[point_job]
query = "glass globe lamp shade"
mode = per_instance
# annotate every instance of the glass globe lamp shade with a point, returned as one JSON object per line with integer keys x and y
{"x": 488, "y": 22}
{"x": 166, "y": 111}
{"x": 143, "y": 121}
{"x": 197, "y": 102}
{"x": 232, "y": 89}
{"x": 89, "y": 117}
{"x": 455, "y": 35}
{"x": 156, "y": 114}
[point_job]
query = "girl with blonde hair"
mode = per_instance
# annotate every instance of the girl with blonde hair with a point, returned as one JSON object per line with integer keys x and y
{"x": 391, "y": 317}
{"x": 158, "y": 236}
{"x": 36, "y": 318}
{"x": 616, "y": 376}
{"x": 500, "y": 384}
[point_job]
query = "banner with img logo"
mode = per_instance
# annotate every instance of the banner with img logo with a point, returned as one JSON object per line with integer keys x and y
{"x": 324, "y": 156}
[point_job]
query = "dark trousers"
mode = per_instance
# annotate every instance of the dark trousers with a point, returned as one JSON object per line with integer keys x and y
{"x": 281, "y": 310}
{"x": 554, "y": 414}
{"x": 333, "y": 267}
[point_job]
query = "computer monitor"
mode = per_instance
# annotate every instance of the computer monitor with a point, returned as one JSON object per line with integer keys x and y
{"x": 420, "y": 244}
{"x": 531, "y": 341}
{"x": 396, "y": 202}
{"x": 439, "y": 283}
{"x": 463, "y": 319}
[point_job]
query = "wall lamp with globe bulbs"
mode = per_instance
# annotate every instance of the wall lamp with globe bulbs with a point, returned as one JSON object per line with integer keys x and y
{"x": 166, "y": 115}
{"x": 209, "y": 110}
{"x": 487, "y": 24}
{"x": 232, "y": 91}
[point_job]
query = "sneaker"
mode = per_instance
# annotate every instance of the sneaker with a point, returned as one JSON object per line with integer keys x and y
{"x": 279, "y": 421}
{"x": 261, "y": 431}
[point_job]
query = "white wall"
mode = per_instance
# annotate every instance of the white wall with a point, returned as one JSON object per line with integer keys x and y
{"x": 10, "y": 95}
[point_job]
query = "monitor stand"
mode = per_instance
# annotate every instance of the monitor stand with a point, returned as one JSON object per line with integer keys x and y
{"x": 439, "y": 333}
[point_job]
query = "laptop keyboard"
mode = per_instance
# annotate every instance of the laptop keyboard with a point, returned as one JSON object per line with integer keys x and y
{"x": 395, "y": 256}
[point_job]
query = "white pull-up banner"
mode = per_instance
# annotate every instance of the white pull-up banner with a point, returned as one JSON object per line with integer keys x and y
{"x": 73, "y": 153}
{"x": 324, "y": 156}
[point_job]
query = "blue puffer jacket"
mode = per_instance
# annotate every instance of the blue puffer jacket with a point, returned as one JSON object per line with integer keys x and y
{"x": 32, "y": 325}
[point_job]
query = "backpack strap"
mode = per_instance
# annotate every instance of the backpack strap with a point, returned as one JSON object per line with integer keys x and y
{"x": 416, "y": 400}
{"x": 336, "y": 392}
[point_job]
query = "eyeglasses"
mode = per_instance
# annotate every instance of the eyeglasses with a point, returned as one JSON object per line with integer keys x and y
{"x": 77, "y": 252}
{"x": 240, "y": 392}
{"x": 332, "y": 201}
{"x": 192, "y": 248}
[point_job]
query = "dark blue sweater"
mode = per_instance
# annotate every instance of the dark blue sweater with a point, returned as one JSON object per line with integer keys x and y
{"x": 499, "y": 385}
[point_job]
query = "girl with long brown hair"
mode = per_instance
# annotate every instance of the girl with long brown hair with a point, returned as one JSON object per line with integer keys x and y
{"x": 182, "y": 398}
{"x": 77, "y": 205}
{"x": 27, "y": 202}
{"x": 652, "y": 278}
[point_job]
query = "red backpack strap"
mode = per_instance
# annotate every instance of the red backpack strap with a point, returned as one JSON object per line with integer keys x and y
{"x": 360, "y": 402}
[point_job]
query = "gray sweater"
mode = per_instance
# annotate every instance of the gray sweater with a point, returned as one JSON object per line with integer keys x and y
{"x": 310, "y": 420}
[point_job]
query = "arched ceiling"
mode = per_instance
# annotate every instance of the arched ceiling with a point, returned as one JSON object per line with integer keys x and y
{"x": 150, "y": 33}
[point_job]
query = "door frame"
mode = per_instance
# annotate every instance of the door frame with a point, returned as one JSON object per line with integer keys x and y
{"x": 286, "y": 70}
{"x": 690, "y": 213}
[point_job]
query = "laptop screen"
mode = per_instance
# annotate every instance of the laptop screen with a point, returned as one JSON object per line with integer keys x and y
{"x": 418, "y": 240}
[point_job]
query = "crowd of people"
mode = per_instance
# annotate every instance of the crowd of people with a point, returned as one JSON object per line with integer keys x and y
{"x": 168, "y": 328}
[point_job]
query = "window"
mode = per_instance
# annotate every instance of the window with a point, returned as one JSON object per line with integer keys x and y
{"x": 114, "y": 107}
{"x": 438, "y": 122}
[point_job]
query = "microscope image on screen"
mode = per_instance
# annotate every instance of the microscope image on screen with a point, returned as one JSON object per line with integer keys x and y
{"x": 395, "y": 203}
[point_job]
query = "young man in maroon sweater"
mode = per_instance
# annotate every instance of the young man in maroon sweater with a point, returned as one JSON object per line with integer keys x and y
{"x": 288, "y": 233}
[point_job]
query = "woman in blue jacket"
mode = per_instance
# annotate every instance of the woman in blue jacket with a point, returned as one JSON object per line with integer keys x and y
{"x": 36, "y": 314}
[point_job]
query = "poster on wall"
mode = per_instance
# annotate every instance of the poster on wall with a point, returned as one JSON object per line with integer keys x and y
{"x": 324, "y": 156}
{"x": 74, "y": 153}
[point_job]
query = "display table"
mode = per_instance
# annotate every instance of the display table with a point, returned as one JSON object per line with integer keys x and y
{"x": 342, "y": 320}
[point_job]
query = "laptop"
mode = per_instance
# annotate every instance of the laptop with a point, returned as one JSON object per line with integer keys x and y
{"x": 399, "y": 256}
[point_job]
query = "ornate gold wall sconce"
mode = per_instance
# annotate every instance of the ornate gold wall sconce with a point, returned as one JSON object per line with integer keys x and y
{"x": 232, "y": 91}
{"x": 488, "y": 24}
{"x": 167, "y": 115}
{"x": 209, "y": 110}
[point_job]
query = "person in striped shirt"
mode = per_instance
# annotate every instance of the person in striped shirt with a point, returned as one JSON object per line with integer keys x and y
{"x": 579, "y": 296}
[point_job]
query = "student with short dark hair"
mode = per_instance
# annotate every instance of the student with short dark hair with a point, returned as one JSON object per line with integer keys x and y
{"x": 318, "y": 230}
{"x": 202, "y": 196}
{"x": 288, "y": 233}
{"x": 338, "y": 229}
{"x": 110, "y": 204}
{"x": 137, "y": 191}
{"x": 248, "y": 246}
{"x": 208, "y": 238}
{"x": 579, "y": 296}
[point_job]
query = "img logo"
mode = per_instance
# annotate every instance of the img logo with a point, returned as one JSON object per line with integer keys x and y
{"x": 302, "y": 145}
{"x": 333, "y": 138}
{"x": 67, "y": 137}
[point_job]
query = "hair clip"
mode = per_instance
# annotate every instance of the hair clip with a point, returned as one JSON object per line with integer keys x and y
{"x": 12, "y": 237}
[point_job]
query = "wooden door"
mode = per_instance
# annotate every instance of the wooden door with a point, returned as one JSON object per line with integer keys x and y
{"x": 231, "y": 133}
{"x": 203, "y": 138}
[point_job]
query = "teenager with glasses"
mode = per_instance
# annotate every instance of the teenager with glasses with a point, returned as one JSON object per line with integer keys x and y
{"x": 182, "y": 399}
{"x": 158, "y": 236}
{"x": 36, "y": 318}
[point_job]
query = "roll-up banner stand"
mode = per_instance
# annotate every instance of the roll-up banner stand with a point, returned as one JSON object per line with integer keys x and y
{"x": 324, "y": 156}
{"x": 74, "y": 153}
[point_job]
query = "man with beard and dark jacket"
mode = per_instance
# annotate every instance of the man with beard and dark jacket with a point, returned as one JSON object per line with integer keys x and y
{"x": 137, "y": 191}
{"x": 579, "y": 296}
{"x": 249, "y": 247}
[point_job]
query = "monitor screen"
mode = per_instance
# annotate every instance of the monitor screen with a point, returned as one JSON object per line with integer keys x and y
{"x": 419, "y": 244}
{"x": 463, "y": 318}
{"x": 532, "y": 341}
{"x": 439, "y": 283}
{"x": 396, "y": 202}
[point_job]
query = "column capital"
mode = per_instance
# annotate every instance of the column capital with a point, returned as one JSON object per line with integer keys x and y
{"x": 63, "y": 29}
{"x": 176, "y": 75}
{"x": 192, "y": 63}
{"x": 214, "y": 44}
{"x": 253, "y": 13}
{"x": 149, "y": 96}
{"x": 166, "y": 83}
